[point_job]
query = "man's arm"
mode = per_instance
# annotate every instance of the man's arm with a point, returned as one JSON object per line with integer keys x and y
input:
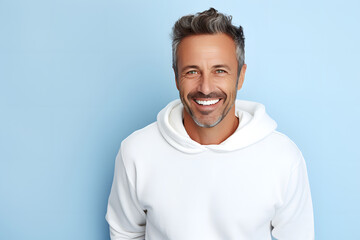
{"x": 294, "y": 218}
{"x": 125, "y": 216}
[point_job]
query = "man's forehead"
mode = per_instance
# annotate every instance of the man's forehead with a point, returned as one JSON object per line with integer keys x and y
{"x": 218, "y": 38}
{"x": 215, "y": 49}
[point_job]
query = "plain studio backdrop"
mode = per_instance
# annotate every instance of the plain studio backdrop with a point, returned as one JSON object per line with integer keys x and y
{"x": 78, "y": 76}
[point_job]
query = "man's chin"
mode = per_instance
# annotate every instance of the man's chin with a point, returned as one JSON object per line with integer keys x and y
{"x": 208, "y": 123}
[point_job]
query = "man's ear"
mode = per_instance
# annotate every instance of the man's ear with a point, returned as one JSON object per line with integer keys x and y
{"x": 176, "y": 80}
{"x": 242, "y": 76}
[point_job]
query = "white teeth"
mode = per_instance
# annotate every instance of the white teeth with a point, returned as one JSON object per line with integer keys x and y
{"x": 206, "y": 103}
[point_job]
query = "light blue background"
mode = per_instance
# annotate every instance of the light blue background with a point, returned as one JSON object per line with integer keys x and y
{"x": 77, "y": 77}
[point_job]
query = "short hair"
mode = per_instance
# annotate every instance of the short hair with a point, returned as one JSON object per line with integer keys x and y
{"x": 207, "y": 22}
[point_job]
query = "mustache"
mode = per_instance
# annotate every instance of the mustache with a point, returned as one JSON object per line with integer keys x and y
{"x": 210, "y": 95}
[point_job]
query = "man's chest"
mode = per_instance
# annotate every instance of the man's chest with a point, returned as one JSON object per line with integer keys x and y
{"x": 208, "y": 194}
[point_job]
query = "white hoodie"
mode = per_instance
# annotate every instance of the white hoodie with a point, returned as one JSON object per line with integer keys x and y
{"x": 168, "y": 187}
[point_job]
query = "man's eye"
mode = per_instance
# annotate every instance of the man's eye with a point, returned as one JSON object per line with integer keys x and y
{"x": 192, "y": 72}
{"x": 220, "y": 71}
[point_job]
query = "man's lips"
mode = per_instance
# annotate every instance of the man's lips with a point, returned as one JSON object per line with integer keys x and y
{"x": 206, "y": 102}
{"x": 206, "y": 106}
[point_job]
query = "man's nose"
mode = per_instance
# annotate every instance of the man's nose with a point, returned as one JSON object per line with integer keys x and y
{"x": 206, "y": 84}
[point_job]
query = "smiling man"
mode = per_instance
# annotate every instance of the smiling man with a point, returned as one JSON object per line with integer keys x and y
{"x": 211, "y": 167}
{"x": 207, "y": 78}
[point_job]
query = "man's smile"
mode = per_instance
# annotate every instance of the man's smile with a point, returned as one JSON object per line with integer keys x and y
{"x": 207, "y": 102}
{"x": 206, "y": 106}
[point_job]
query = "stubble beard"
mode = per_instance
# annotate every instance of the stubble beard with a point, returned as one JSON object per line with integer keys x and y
{"x": 204, "y": 125}
{"x": 222, "y": 116}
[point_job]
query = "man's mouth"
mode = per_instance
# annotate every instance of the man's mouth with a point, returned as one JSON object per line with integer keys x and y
{"x": 207, "y": 102}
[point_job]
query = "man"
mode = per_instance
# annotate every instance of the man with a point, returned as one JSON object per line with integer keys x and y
{"x": 211, "y": 167}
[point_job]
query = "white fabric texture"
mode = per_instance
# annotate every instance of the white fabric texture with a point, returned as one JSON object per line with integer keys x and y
{"x": 168, "y": 187}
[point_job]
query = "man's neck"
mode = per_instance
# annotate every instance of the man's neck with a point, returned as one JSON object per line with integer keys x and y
{"x": 213, "y": 135}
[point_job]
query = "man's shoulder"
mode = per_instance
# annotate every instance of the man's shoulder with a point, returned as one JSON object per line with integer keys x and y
{"x": 142, "y": 138}
{"x": 284, "y": 141}
{"x": 285, "y": 150}
{"x": 143, "y": 134}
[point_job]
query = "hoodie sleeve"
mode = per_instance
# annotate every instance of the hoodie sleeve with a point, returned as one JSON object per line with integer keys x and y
{"x": 125, "y": 216}
{"x": 294, "y": 218}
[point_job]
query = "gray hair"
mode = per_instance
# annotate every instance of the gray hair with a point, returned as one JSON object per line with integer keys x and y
{"x": 207, "y": 22}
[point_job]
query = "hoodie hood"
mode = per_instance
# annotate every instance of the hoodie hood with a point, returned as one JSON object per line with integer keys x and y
{"x": 254, "y": 125}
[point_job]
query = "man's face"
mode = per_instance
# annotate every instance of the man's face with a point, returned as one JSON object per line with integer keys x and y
{"x": 207, "y": 77}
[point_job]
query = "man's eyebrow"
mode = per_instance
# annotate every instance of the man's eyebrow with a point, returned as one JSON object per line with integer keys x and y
{"x": 190, "y": 66}
{"x": 197, "y": 67}
{"x": 221, "y": 66}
